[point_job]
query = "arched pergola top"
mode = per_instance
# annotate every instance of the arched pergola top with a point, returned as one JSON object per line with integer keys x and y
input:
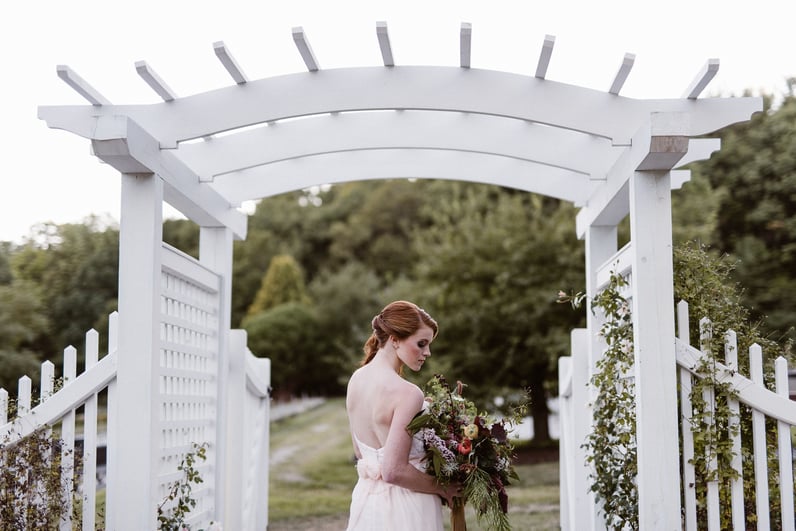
{"x": 258, "y": 138}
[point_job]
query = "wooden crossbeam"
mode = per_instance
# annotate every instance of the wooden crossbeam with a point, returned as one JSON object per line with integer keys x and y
{"x": 304, "y": 49}
{"x": 154, "y": 81}
{"x": 465, "y": 37}
{"x": 81, "y": 86}
{"x": 384, "y": 43}
{"x": 621, "y": 75}
{"x": 544, "y": 56}
{"x": 229, "y": 63}
{"x": 702, "y": 79}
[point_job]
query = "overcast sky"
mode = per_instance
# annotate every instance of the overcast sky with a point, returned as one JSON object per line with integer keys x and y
{"x": 50, "y": 175}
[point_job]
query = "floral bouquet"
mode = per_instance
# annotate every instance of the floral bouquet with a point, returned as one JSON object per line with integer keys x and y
{"x": 465, "y": 445}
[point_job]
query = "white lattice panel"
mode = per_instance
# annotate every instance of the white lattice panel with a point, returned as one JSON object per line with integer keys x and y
{"x": 188, "y": 371}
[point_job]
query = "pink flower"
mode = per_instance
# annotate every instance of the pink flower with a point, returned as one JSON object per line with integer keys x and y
{"x": 465, "y": 446}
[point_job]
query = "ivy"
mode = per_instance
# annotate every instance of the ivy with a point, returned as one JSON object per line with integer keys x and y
{"x": 181, "y": 490}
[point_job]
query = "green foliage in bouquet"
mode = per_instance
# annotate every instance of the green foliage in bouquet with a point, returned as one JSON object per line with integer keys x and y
{"x": 469, "y": 446}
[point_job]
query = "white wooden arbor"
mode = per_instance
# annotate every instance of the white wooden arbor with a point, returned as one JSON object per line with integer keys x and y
{"x": 206, "y": 153}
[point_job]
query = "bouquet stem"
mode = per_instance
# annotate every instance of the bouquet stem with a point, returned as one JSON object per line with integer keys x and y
{"x": 458, "y": 523}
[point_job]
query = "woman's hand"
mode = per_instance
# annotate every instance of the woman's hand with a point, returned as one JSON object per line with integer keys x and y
{"x": 450, "y": 491}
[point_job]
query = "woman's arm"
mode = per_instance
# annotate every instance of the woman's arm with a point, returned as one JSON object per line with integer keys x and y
{"x": 395, "y": 468}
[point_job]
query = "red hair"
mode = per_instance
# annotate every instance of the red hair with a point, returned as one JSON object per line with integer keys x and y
{"x": 399, "y": 319}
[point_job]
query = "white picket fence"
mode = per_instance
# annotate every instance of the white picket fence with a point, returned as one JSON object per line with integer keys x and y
{"x": 578, "y": 508}
{"x": 59, "y": 411}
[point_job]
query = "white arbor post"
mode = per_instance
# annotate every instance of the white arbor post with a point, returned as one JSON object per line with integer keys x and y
{"x": 135, "y": 455}
{"x": 601, "y": 244}
{"x": 215, "y": 252}
{"x": 655, "y": 361}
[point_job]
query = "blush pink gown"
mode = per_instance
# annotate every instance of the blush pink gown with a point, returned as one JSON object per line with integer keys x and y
{"x": 378, "y": 505}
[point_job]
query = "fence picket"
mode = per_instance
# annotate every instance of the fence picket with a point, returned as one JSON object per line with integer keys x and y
{"x": 759, "y": 443}
{"x": 110, "y": 427}
{"x": 68, "y": 438}
{"x": 90, "y": 439}
{"x": 3, "y": 406}
{"x": 23, "y": 396}
{"x": 785, "y": 450}
{"x": 687, "y": 411}
{"x": 734, "y": 428}
{"x": 708, "y": 395}
{"x": 47, "y": 380}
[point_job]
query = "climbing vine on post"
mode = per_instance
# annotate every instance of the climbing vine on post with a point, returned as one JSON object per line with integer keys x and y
{"x": 611, "y": 446}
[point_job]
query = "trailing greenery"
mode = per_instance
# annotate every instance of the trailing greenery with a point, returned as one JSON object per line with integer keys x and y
{"x": 703, "y": 279}
{"x": 611, "y": 446}
{"x": 32, "y": 494}
{"x": 179, "y": 502}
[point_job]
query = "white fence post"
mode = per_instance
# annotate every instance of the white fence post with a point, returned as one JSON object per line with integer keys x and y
{"x": 785, "y": 450}
{"x": 68, "y": 441}
{"x": 734, "y": 426}
{"x": 3, "y": 406}
{"x": 111, "y": 430}
{"x": 709, "y": 418}
{"x": 236, "y": 447}
{"x": 686, "y": 385}
{"x": 655, "y": 361}
{"x": 90, "y": 438}
{"x": 759, "y": 443}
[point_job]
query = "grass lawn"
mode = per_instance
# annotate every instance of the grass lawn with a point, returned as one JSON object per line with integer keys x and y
{"x": 312, "y": 475}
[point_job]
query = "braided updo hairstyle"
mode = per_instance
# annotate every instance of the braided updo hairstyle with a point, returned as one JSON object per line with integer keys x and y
{"x": 399, "y": 319}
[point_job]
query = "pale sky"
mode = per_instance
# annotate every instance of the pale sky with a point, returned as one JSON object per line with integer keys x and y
{"x": 49, "y": 175}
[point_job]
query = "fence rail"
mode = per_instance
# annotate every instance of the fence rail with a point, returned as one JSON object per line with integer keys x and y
{"x": 58, "y": 411}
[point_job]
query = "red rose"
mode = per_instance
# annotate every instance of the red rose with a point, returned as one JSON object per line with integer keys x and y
{"x": 465, "y": 446}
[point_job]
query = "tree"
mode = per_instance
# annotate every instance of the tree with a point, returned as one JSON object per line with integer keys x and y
{"x": 493, "y": 263}
{"x": 282, "y": 283}
{"x": 22, "y": 321}
{"x": 755, "y": 172}
{"x": 289, "y": 335}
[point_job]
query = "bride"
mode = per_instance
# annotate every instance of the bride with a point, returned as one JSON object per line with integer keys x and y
{"x": 393, "y": 491}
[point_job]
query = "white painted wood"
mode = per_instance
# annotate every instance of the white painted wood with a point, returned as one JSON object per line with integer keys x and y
{"x": 465, "y": 44}
{"x": 403, "y": 87}
{"x": 734, "y": 426}
{"x": 284, "y": 176}
{"x": 229, "y": 62}
{"x": 655, "y": 361}
{"x": 68, "y": 439}
{"x": 23, "y": 395}
{"x": 69, "y": 397}
{"x": 112, "y": 494}
{"x": 702, "y": 79}
{"x": 709, "y": 418}
{"x": 140, "y": 238}
{"x": 384, "y": 43}
{"x": 686, "y": 385}
{"x": 80, "y": 86}
{"x": 347, "y": 132}
{"x": 89, "y": 489}
{"x": 759, "y": 443}
{"x": 544, "y": 56}
{"x": 257, "y": 430}
{"x": 154, "y": 81}
{"x": 3, "y": 407}
{"x": 235, "y": 448}
{"x": 305, "y": 49}
{"x": 784, "y": 449}
{"x": 620, "y": 263}
{"x": 47, "y": 380}
{"x": 565, "y": 442}
{"x": 749, "y": 393}
{"x": 621, "y": 75}
{"x": 215, "y": 253}
{"x": 182, "y": 190}
{"x": 581, "y": 418}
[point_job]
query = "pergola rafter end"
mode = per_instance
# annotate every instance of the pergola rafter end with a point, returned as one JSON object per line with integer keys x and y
{"x": 154, "y": 81}
{"x": 305, "y": 49}
{"x": 229, "y": 63}
{"x": 384, "y": 43}
{"x": 544, "y": 56}
{"x": 465, "y": 44}
{"x": 81, "y": 86}
{"x": 621, "y": 75}
{"x": 702, "y": 79}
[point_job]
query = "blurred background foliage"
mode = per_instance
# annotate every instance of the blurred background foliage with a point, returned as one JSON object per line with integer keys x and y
{"x": 485, "y": 261}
